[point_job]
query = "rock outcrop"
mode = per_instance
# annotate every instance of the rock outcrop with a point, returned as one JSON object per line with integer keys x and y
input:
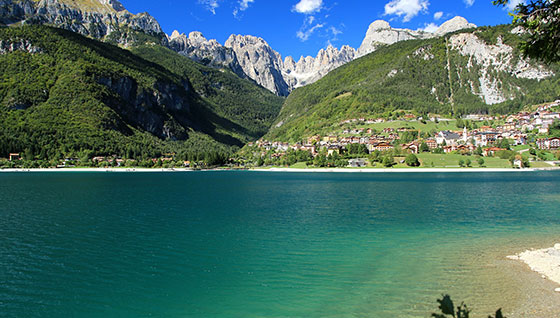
{"x": 380, "y": 33}
{"x": 159, "y": 110}
{"x": 309, "y": 70}
{"x": 259, "y": 61}
{"x": 209, "y": 52}
{"x": 486, "y": 59}
{"x": 266, "y": 66}
{"x": 455, "y": 24}
{"x": 18, "y": 45}
{"x": 99, "y": 19}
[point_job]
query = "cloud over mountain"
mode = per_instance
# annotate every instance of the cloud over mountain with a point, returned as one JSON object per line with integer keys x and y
{"x": 407, "y": 9}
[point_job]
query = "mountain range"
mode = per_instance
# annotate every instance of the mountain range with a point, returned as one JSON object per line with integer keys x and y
{"x": 154, "y": 92}
{"x": 260, "y": 62}
{"x": 247, "y": 56}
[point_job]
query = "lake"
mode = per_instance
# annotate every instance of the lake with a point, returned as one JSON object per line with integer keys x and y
{"x": 268, "y": 244}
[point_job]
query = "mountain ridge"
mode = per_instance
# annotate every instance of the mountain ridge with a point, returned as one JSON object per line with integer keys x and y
{"x": 106, "y": 20}
{"x": 246, "y": 55}
{"x": 260, "y": 62}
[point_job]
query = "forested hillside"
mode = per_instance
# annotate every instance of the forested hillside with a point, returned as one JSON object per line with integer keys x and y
{"x": 62, "y": 94}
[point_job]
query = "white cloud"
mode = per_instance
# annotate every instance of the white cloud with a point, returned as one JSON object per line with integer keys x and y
{"x": 438, "y": 15}
{"x": 307, "y": 29}
{"x": 308, "y": 6}
{"x": 468, "y": 3}
{"x": 211, "y": 5}
{"x": 429, "y": 27}
{"x": 243, "y": 5}
{"x": 512, "y": 4}
{"x": 335, "y": 31}
{"x": 407, "y": 9}
{"x": 304, "y": 35}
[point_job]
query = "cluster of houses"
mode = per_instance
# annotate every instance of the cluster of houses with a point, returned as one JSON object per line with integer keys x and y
{"x": 515, "y": 129}
{"x": 167, "y": 158}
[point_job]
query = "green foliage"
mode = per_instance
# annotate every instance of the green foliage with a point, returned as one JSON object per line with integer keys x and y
{"x": 554, "y": 129}
{"x": 424, "y": 147}
{"x": 480, "y": 162}
{"x": 541, "y": 18}
{"x": 412, "y": 161}
{"x": 448, "y": 309}
{"x": 504, "y": 143}
{"x": 478, "y": 151}
{"x": 388, "y": 161}
{"x": 357, "y": 149}
{"x": 408, "y": 136}
{"x": 461, "y": 163}
{"x": 363, "y": 88}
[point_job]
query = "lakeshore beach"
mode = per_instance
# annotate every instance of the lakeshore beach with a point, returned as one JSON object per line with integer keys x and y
{"x": 544, "y": 261}
{"x": 316, "y": 170}
{"x": 536, "y": 273}
{"x": 98, "y": 170}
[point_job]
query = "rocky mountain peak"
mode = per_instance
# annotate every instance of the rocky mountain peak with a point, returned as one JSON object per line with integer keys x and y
{"x": 381, "y": 33}
{"x": 379, "y": 25}
{"x": 208, "y": 52}
{"x": 94, "y": 18}
{"x": 95, "y": 6}
{"x": 455, "y": 24}
{"x": 259, "y": 61}
{"x": 115, "y": 4}
{"x": 197, "y": 36}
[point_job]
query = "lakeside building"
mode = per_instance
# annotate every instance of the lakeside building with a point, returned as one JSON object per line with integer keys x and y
{"x": 550, "y": 143}
{"x": 14, "y": 157}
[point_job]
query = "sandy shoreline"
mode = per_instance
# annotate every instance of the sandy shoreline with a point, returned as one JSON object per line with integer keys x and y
{"x": 120, "y": 170}
{"x": 544, "y": 261}
{"x": 313, "y": 170}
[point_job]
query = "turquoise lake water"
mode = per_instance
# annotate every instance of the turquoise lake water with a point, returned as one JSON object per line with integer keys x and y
{"x": 257, "y": 244}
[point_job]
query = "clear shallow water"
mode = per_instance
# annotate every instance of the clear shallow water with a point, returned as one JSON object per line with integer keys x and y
{"x": 251, "y": 244}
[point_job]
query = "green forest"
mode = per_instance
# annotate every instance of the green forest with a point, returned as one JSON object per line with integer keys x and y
{"x": 64, "y": 95}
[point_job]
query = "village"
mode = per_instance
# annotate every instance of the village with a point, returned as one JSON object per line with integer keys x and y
{"x": 487, "y": 135}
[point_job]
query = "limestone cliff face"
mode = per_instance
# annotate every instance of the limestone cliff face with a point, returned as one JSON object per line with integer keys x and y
{"x": 95, "y": 18}
{"x": 381, "y": 33}
{"x": 455, "y": 24}
{"x": 259, "y": 61}
{"x": 489, "y": 60}
{"x": 266, "y": 66}
{"x": 309, "y": 70}
{"x": 209, "y": 52}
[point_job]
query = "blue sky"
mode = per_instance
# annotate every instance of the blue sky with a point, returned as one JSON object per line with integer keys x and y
{"x": 302, "y": 27}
